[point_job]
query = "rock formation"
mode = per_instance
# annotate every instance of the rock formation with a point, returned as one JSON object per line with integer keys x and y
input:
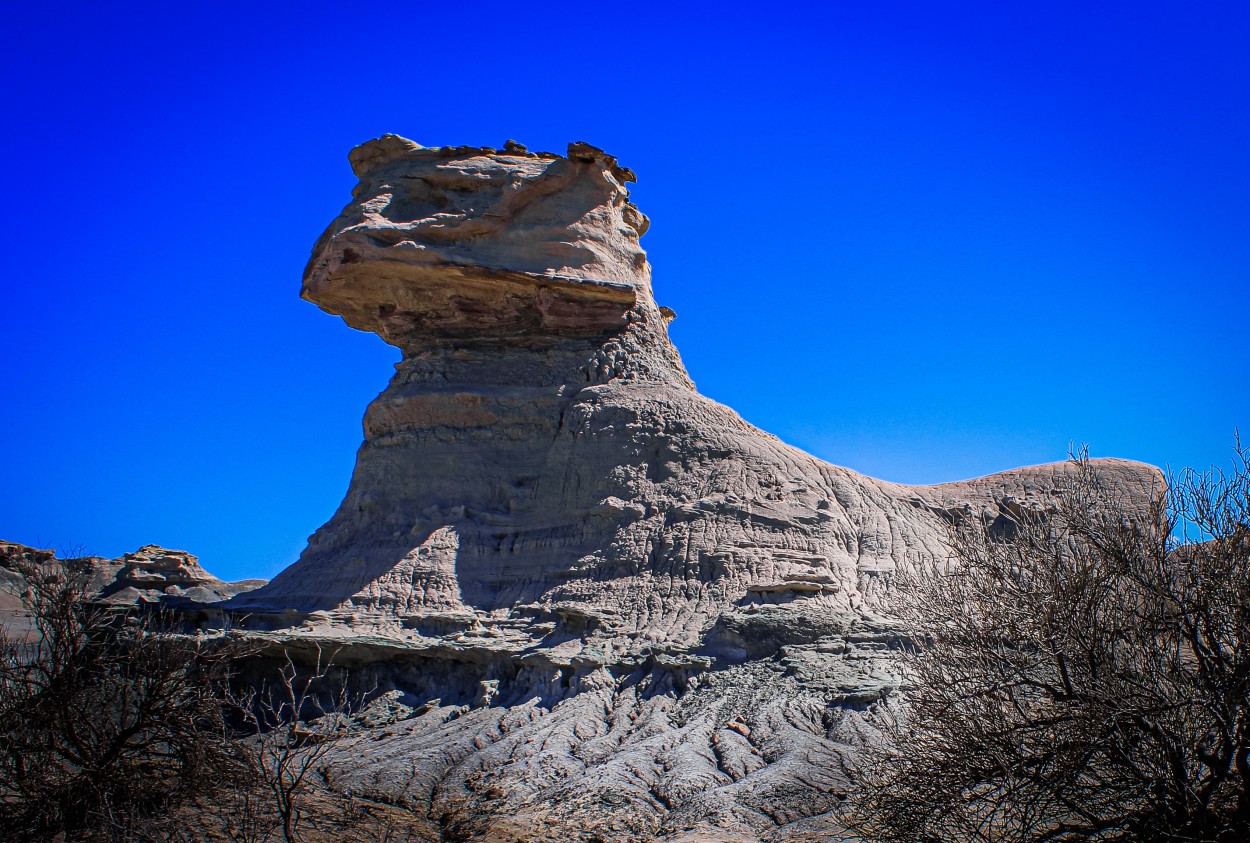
{"x": 151, "y": 574}
{"x": 612, "y": 609}
{"x": 156, "y": 574}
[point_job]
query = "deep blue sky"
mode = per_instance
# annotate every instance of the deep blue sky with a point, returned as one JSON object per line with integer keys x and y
{"x": 923, "y": 240}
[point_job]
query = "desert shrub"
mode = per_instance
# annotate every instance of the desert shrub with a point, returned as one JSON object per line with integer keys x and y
{"x": 1084, "y": 676}
{"x": 108, "y": 721}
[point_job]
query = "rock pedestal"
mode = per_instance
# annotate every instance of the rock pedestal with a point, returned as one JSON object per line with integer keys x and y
{"x": 616, "y": 608}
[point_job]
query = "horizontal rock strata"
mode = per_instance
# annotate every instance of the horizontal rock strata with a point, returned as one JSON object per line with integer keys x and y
{"x": 612, "y": 609}
{"x": 151, "y": 575}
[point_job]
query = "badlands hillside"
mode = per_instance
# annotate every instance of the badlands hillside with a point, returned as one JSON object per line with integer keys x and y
{"x": 599, "y": 605}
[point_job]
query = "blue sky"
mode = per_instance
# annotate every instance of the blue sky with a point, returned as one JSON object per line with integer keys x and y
{"x": 925, "y": 241}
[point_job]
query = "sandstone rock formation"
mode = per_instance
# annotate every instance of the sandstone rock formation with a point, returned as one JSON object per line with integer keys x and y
{"x": 151, "y": 574}
{"x": 612, "y": 609}
{"x": 15, "y": 618}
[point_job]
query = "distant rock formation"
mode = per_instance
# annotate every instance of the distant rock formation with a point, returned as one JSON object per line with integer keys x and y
{"x": 151, "y": 574}
{"x": 612, "y": 606}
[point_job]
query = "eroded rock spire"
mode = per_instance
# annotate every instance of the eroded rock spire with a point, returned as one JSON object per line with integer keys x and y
{"x": 617, "y": 607}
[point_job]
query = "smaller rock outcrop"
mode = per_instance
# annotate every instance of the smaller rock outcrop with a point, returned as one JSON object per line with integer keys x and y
{"x": 15, "y": 619}
{"x": 151, "y": 574}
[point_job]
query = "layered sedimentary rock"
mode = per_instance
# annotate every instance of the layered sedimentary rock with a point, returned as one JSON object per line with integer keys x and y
{"x": 152, "y": 574}
{"x": 612, "y": 609}
{"x": 157, "y": 574}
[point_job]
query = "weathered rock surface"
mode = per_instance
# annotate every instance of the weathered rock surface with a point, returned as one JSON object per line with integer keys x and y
{"x": 154, "y": 573}
{"x": 151, "y": 574}
{"x": 611, "y": 608}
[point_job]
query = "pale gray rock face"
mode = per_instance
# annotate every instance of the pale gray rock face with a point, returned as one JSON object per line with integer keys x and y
{"x": 611, "y": 607}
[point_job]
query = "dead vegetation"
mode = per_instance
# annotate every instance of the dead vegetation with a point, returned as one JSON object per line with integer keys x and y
{"x": 115, "y": 727}
{"x": 1086, "y": 678}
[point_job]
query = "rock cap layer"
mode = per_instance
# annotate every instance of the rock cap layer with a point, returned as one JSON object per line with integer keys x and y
{"x": 474, "y": 242}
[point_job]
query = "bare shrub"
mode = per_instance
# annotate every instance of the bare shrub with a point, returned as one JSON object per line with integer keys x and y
{"x": 1085, "y": 679}
{"x": 293, "y": 721}
{"x": 106, "y": 721}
